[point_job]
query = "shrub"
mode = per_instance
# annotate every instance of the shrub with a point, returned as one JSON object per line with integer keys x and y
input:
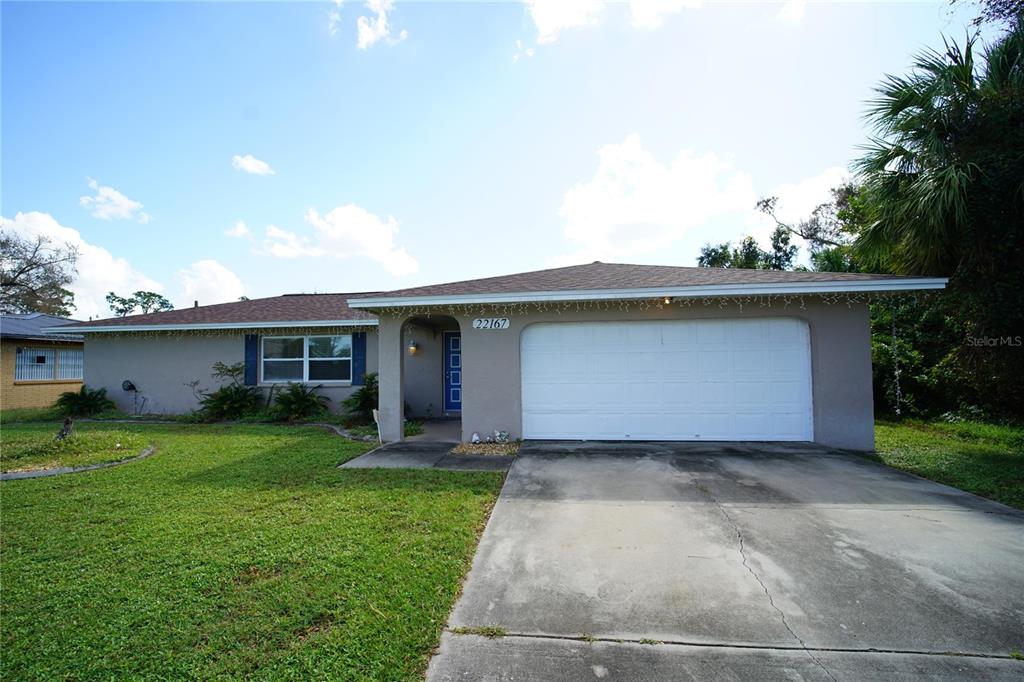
{"x": 229, "y": 402}
{"x": 363, "y": 402}
{"x": 298, "y": 401}
{"x": 85, "y": 403}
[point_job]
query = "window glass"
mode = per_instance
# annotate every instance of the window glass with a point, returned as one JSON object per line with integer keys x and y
{"x": 313, "y": 358}
{"x": 282, "y": 370}
{"x": 70, "y": 364}
{"x": 34, "y": 364}
{"x": 290, "y": 347}
{"x": 330, "y": 370}
{"x": 330, "y": 347}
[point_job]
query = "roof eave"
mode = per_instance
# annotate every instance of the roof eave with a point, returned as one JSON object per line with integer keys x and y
{"x": 213, "y": 326}
{"x": 703, "y": 291}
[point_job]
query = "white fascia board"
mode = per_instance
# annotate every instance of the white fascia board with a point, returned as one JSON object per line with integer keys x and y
{"x": 784, "y": 288}
{"x": 289, "y": 324}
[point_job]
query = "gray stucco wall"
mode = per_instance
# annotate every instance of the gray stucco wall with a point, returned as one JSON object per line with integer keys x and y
{"x": 840, "y": 363}
{"x": 160, "y": 366}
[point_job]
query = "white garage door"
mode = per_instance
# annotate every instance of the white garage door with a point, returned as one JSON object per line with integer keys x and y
{"x": 679, "y": 380}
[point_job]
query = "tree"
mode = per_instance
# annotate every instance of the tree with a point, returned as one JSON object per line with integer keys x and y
{"x": 143, "y": 301}
{"x": 944, "y": 182}
{"x": 34, "y": 274}
{"x": 749, "y": 255}
{"x": 1000, "y": 11}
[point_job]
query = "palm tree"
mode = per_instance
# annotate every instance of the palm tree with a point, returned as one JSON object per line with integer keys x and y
{"x": 947, "y": 164}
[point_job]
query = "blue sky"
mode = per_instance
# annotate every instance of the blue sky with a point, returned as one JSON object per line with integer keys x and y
{"x": 211, "y": 150}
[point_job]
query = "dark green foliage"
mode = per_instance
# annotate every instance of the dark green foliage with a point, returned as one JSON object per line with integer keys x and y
{"x": 749, "y": 255}
{"x": 34, "y": 273}
{"x": 363, "y": 402}
{"x": 298, "y": 401}
{"x": 233, "y": 373}
{"x": 141, "y": 301}
{"x": 945, "y": 196}
{"x": 84, "y": 403}
{"x": 230, "y": 401}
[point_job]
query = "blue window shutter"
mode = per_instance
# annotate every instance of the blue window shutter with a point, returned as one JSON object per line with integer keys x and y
{"x": 359, "y": 358}
{"x": 252, "y": 358}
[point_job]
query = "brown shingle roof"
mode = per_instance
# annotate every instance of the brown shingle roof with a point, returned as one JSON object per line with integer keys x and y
{"x": 287, "y": 308}
{"x": 598, "y": 275}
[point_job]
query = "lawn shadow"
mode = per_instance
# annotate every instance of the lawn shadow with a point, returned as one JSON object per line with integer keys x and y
{"x": 316, "y": 468}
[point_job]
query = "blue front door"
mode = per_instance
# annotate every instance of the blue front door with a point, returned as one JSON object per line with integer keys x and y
{"x": 452, "y": 371}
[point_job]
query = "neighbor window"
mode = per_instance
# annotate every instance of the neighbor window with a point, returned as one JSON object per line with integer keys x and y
{"x": 307, "y": 358}
{"x": 47, "y": 364}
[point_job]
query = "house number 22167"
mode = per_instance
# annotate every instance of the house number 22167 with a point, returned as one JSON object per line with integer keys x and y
{"x": 490, "y": 323}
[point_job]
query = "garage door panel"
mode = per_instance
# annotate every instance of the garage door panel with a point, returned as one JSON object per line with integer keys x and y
{"x": 676, "y": 380}
{"x": 711, "y": 333}
{"x": 790, "y": 361}
{"x": 641, "y": 395}
{"x": 644, "y": 362}
{"x": 678, "y": 393}
{"x": 545, "y": 364}
{"x": 677, "y": 334}
{"x": 678, "y": 364}
{"x": 715, "y": 363}
{"x": 604, "y": 364}
{"x": 751, "y": 362}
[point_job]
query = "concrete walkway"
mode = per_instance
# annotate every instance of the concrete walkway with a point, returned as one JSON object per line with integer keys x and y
{"x": 739, "y": 562}
{"x": 417, "y": 455}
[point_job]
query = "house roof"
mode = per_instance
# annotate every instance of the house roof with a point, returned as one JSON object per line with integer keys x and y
{"x": 30, "y": 326}
{"x": 599, "y": 280}
{"x": 289, "y": 310}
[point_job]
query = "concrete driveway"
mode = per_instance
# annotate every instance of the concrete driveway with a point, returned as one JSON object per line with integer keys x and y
{"x": 728, "y": 561}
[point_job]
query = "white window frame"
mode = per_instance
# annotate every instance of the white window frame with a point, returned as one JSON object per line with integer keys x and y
{"x": 305, "y": 360}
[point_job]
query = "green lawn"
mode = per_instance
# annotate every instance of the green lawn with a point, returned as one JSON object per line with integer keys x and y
{"x": 984, "y": 459}
{"x": 34, "y": 446}
{"x": 236, "y": 552}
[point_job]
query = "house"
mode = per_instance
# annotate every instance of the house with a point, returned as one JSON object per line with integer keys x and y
{"x": 36, "y": 366}
{"x": 601, "y": 351}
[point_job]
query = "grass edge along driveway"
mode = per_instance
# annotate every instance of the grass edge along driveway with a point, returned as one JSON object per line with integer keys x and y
{"x": 237, "y": 552}
{"x": 984, "y": 459}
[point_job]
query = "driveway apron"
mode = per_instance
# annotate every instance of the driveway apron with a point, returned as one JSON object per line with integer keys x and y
{"x": 735, "y": 561}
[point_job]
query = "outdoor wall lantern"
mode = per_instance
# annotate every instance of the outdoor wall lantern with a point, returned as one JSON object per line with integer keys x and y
{"x": 413, "y": 347}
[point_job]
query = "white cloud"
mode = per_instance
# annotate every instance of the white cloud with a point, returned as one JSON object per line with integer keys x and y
{"x": 208, "y": 282}
{"x": 284, "y": 244}
{"x": 344, "y": 232}
{"x": 239, "y": 230}
{"x": 250, "y": 164}
{"x": 334, "y": 18}
{"x": 792, "y": 11}
{"x": 370, "y": 30}
{"x": 798, "y": 199}
{"x": 650, "y": 14}
{"x": 551, "y": 17}
{"x": 522, "y": 51}
{"x": 109, "y": 204}
{"x": 637, "y": 205}
{"x": 99, "y": 271}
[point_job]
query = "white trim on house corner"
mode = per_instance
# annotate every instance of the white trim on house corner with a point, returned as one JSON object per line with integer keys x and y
{"x": 283, "y": 324}
{"x": 709, "y": 290}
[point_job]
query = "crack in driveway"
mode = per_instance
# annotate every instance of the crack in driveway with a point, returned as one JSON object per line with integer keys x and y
{"x": 767, "y": 593}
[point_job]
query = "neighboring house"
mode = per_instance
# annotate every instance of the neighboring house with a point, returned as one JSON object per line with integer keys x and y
{"x": 36, "y": 366}
{"x": 598, "y": 352}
